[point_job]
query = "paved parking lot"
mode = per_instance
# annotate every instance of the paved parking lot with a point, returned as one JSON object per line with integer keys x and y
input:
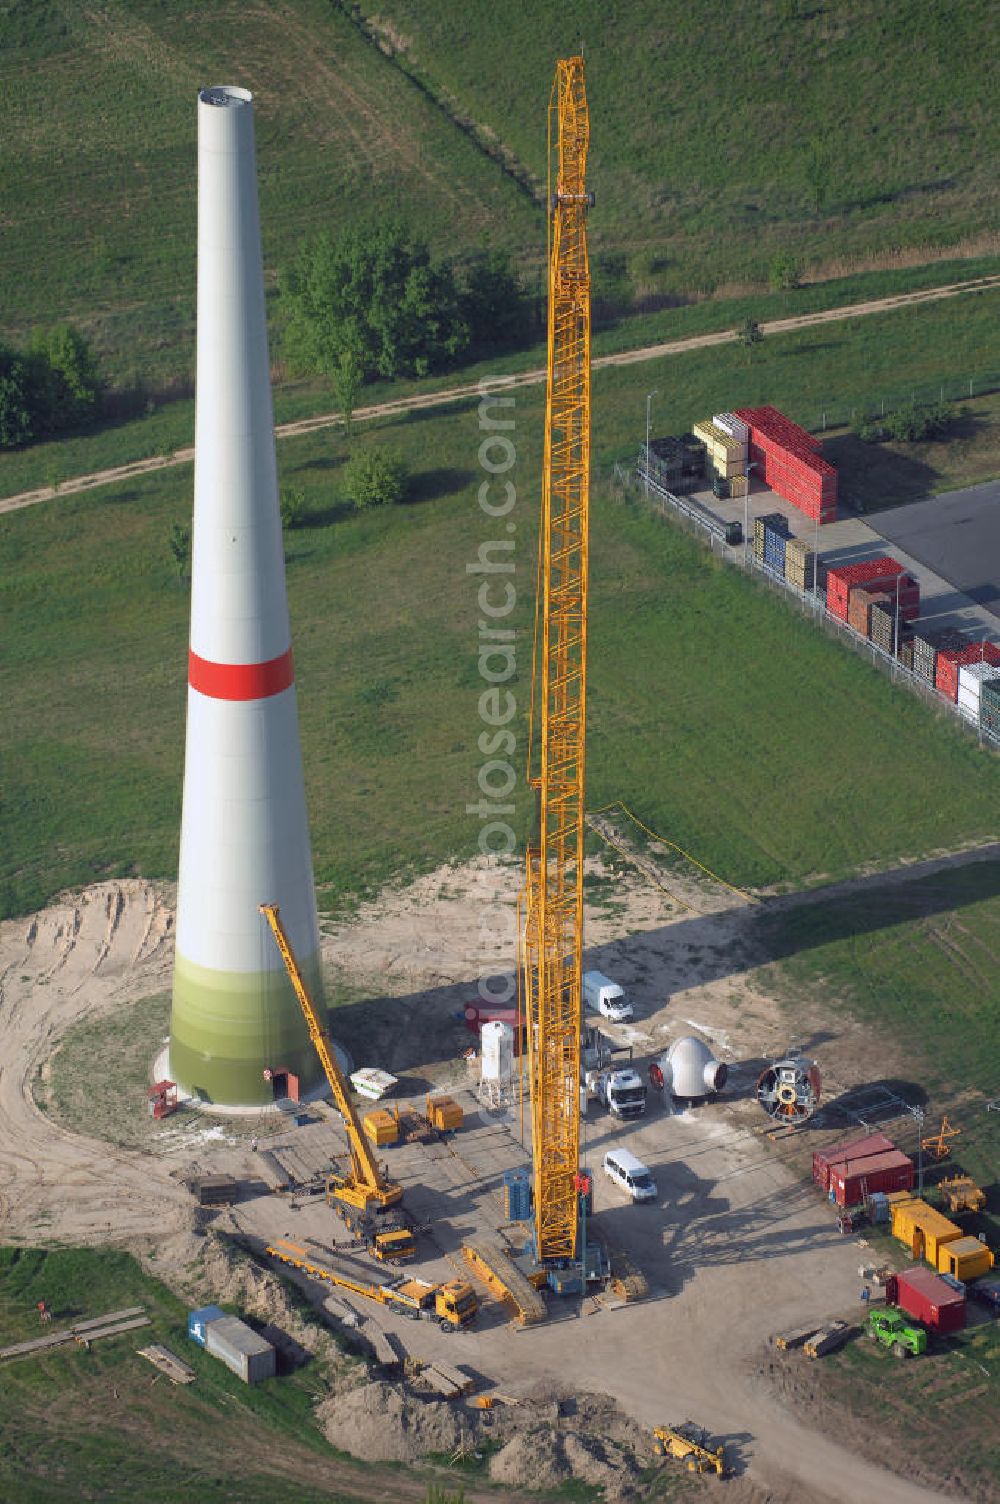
{"x": 958, "y": 535}
{"x": 949, "y": 543}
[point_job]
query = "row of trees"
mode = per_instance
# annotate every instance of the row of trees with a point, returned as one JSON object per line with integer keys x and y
{"x": 371, "y": 303}
{"x": 50, "y": 386}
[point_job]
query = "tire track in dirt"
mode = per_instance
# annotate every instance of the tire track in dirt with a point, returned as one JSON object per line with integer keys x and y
{"x": 470, "y": 391}
{"x": 81, "y": 958}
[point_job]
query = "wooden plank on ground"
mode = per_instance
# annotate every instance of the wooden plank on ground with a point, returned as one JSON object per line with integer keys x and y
{"x": 785, "y": 1341}
{"x": 22, "y": 1349}
{"x": 386, "y": 1347}
{"x": 462, "y": 1382}
{"x": 175, "y": 1369}
{"x": 112, "y": 1316}
{"x": 112, "y": 1331}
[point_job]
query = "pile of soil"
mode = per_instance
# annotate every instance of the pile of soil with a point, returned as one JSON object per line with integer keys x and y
{"x": 226, "y": 1275}
{"x": 382, "y": 1422}
{"x": 558, "y": 1436}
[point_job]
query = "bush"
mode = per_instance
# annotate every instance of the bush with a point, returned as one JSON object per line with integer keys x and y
{"x": 494, "y": 304}
{"x": 375, "y": 479}
{"x": 785, "y": 272}
{"x": 292, "y": 504}
{"x": 871, "y": 431}
{"x": 54, "y": 385}
{"x": 914, "y": 423}
{"x": 179, "y": 544}
{"x": 65, "y": 384}
{"x": 374, "y": 292}
{"x": 16, "y": 425}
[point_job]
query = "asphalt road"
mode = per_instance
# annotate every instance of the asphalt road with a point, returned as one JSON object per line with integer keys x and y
{"x": 957, "y": 534}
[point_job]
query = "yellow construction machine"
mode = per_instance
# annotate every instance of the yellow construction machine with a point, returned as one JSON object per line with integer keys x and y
{"x": 691, "y": 1445}
{"x": 365, "y": 1194}
{"x": 452, "y": 1305}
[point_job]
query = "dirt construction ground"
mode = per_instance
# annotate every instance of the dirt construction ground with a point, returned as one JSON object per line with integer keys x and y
{"x": 735, "y": 1248}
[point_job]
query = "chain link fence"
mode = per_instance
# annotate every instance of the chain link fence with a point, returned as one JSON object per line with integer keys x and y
{"x": 837, "y": 414}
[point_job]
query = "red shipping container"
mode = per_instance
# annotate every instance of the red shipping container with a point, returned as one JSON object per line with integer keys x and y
{"x": 851, "y": 1148}
{"x": 924, "y": 1295}
{"x": 850, "y": 1183}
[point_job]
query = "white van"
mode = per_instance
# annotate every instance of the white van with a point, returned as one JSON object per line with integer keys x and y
{"x": 606, "y": 997}
{"x": 629, "y": 1172}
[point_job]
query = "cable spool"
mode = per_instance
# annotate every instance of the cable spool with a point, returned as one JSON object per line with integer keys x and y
{"x": 789, "y": 1090}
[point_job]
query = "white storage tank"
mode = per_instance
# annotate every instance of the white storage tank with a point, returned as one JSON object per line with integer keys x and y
{"x": 497, "y": 1045}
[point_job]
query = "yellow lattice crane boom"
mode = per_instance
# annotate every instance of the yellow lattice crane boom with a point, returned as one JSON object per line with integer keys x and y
{"x": 366, "y": 1186}
{"x": 553, "y": 916}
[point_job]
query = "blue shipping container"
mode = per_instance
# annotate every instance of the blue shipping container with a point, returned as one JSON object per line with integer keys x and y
{"x": 517, "y": 1187}
{"x": 198, "y": 1322}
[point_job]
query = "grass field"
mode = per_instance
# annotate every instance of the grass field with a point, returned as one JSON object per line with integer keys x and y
{"x": 823, "y": 378}
{"x": 701, "y": 166}
{"x": 745, "y": 735}
{"x": 79, "y": 1424}
{"x": 894, "y": 1402}
{"x": 100, "y": 112}
{"x": 703, "y": 119}
{"x": 924, "y": 957}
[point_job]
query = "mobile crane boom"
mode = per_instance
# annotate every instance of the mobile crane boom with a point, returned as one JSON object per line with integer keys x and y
{"x": 366, "y": 1187}
{"x": 552, "y": 941}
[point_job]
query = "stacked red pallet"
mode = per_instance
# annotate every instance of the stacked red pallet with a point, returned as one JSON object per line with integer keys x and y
{"x": 859, "y": 608}
{"x": 884, "y": 574}
{"x": 950, "y": 660}
{"x": 788, "y": 460}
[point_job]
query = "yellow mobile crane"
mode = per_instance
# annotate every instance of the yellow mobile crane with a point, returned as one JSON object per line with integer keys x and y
{"x": 552, "y": 933}
{"x": 365, "y": 1191}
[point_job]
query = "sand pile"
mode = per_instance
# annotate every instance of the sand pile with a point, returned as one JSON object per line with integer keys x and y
{"x": 560, "y": 1437}
{"x": 381, "y": 1422}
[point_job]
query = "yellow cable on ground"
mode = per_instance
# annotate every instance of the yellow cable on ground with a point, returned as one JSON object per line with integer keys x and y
{"x": 630, "y": 857}
{"x": 620, "y": 804}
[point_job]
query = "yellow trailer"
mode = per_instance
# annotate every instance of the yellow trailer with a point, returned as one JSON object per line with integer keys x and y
{"x": 452, "y": 1305}
{"x": 922, "y": 1230}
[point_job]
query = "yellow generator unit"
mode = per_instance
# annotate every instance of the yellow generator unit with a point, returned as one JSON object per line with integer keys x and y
{"x": 444, "y": 1114}
{"x": 965, "y": 1258}
{"x": 381, "y": 1126}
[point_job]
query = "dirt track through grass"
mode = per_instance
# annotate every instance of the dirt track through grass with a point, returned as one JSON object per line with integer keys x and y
{"x": 467, "y": 392}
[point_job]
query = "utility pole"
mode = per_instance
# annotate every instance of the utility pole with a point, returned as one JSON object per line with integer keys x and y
{"x": 918, "y": 1117}
{"x": 649, "y": 403}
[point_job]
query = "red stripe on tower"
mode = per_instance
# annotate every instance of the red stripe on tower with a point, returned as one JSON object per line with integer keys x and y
{"x": 240, "y": 681}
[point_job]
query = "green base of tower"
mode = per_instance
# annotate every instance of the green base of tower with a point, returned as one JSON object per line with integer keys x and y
{"x": 226, "y": 1028}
